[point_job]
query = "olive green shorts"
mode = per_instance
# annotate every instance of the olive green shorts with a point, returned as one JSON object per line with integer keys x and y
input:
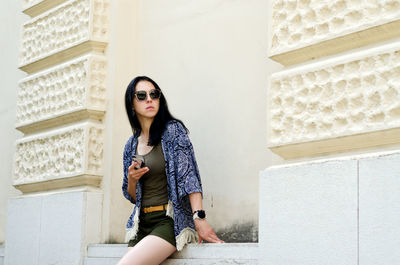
{"x": 157, "y": 224}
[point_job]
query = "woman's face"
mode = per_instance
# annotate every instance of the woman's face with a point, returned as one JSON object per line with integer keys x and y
{"x": 147, "y": 108}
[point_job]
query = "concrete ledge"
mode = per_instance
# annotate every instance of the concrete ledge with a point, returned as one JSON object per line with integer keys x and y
{"x": 106, "y": 250}
{"x": 218, "y": 251}
{"x": 228, "y": 253}
{"x": 101, "y": 261}
{"x": 209, "y": 261}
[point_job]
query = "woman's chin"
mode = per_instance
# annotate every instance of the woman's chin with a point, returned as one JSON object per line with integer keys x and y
{"x": 147, "y": 115}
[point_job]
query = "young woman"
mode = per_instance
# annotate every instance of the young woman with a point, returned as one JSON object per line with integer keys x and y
{"x": 166, "y": 188}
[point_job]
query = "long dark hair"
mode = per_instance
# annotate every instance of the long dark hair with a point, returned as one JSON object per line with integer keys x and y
{"x": 160, "y": 120}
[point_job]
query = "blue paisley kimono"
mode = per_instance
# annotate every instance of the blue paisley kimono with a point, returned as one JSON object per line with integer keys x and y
{"x": 183, "y": 179}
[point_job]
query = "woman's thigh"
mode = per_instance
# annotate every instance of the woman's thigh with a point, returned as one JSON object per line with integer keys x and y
{"x": 150, "y": 250}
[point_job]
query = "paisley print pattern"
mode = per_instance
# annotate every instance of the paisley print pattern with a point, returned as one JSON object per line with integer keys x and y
{"x": 182, "y": 176}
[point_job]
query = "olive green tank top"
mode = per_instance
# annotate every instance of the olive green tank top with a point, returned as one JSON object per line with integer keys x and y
{"x": 155, "y": 180}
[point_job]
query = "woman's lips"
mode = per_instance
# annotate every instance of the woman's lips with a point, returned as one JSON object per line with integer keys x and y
{"x": 150, "y": 107}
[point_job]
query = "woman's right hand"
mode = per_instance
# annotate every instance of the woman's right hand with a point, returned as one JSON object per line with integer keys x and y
{"x": 135, "y": 174}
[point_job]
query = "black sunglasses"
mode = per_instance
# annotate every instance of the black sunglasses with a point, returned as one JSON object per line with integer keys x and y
{"x": 142, "y": 95}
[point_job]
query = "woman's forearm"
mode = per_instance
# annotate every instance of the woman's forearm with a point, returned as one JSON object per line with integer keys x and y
{"x": 132, "y": 188}
{"x": 203, "y": 229}
{"x": 196, "y": 201}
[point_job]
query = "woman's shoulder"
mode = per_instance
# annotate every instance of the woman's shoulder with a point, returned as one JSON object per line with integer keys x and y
{"x": 175, "y": 127}
{"x": 177, "y": 133}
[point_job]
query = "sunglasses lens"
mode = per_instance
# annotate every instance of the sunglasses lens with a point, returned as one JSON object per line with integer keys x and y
{"x": 154, "y": 94}
{"x": 141, "y": 95}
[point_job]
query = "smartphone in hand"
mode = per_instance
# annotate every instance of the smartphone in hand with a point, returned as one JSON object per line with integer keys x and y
{"x": 139, "y": 160}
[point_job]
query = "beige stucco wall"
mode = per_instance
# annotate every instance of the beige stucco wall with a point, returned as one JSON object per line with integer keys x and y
{"x": 11, "y": 20}
{"x": 209, "y": 58}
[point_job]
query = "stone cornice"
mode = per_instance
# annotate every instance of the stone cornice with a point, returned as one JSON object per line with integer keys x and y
{"x": 60, "y": 183}
{"x": 64, "y": 55}
{"x": 34, "y": 7}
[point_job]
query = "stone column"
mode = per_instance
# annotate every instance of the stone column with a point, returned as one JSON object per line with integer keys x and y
{"x": 340, "y": 92}
{"x": 59, "y": 162}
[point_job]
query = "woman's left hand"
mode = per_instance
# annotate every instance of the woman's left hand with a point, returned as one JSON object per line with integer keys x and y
{"x": 206, "y": 232}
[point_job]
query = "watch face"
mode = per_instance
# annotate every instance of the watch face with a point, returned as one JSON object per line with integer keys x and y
{"x": 201, "y": 214}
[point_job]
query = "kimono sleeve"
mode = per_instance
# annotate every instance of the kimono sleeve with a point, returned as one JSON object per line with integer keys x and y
{"x": 188, "y": 176}
{"x": 126, "y": 162}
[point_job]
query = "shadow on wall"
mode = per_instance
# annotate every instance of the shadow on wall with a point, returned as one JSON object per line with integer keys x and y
{"x": 239, "y": 233}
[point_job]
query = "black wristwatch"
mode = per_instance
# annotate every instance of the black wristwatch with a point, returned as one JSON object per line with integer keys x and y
{"x": 199, "y": 214}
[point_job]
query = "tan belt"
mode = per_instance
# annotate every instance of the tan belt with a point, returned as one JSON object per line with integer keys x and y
{"x": 155, "y": 208}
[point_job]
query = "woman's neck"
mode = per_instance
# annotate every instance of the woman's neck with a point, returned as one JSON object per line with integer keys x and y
{"x": 145, "y": 127}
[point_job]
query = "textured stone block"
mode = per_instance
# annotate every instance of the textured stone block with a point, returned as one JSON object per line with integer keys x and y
{"x": 380, "y": 209}
{"x": 65, "y": 157}
{"x": 308, "y": 213}
{"x": 23, "y": 231}
{"x": 35, "y": 7}
{"x": 62, "y": 222}
{"x": 82, "y": 226}
{"x": 346, "y": 103}
{"x": 305, "y": 29}
{"x": 52, "y": 228}
{"x": 66, "y": 31}
{"x": 74, "y": 90}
